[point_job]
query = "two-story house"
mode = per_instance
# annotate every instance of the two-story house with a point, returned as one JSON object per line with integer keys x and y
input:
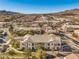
{"x": 45, "y": 41}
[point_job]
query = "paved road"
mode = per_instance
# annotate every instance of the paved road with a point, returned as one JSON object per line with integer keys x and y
{"x": 71, "y": 41}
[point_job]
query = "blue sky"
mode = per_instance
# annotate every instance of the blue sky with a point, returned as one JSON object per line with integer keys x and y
{"x": 38, "y": 6}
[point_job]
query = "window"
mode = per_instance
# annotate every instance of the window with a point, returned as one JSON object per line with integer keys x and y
{"x": 48, "y": 47}
{"x": 32, "y": 44}
{"x": 52, "y": 44}
{"x": 29, "y": 44}
{"x": 58, "y": 44}
{"x": 48, "y": 44}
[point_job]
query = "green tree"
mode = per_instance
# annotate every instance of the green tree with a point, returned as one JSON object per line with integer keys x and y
{"x": 40, "y": 54}
{"x": 33, "y": 55}
{"x": 27, "y": 53}
{"x": 44, "y": 55}
{"x": 12, "y": 53}
{"x": 31, "y": 32}
{"x": 53, "y": 51}
{"x": 15, "y": 44}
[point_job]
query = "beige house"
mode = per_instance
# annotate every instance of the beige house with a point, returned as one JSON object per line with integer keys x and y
{"x": 46, "y": 41}
{"x": 48, "y": 29}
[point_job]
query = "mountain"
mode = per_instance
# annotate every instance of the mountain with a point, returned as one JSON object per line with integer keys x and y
{"x": 69, "y": 12}
{"x": 9, "y": 16}
{"x": 8, "y": 12}
{"x": 72, "y": 11}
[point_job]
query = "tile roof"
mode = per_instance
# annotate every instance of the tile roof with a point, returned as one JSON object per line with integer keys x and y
{"x": 42, "y": 38}
{"x": 72, "y": 56}
{"x": 59, "y": 58}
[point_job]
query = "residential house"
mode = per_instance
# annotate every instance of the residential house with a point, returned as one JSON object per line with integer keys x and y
{"x": 46, "y": 41}
{"x": 48, "y": 29}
